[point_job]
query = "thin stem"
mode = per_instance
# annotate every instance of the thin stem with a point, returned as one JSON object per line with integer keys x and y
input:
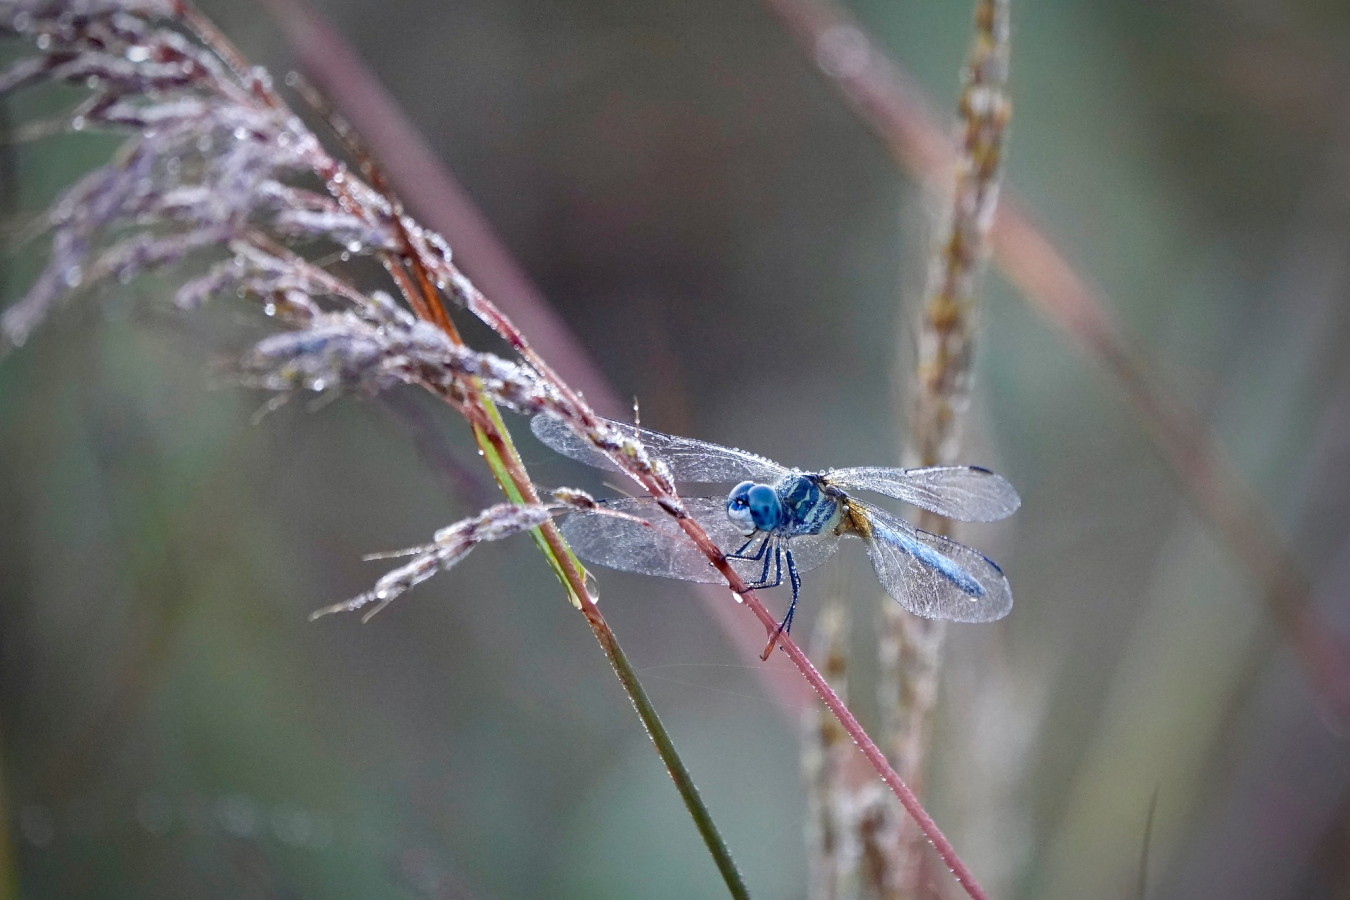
{"x": 839, "y": 845}
{"x": 509, "y": 470}
{"x": 661, "y": 738}
{"x": 874, "y": 756}
{"x": 912, "y": 648}
{"x": 897, "y": 785}
{"x": 565, "y": 564}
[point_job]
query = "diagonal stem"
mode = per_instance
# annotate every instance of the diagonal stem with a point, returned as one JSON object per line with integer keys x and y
{"x": 878, "y": 760}
{"x": 509, "y": 470}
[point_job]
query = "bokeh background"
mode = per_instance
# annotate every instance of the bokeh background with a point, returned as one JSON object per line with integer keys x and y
{"x": 737, "y": 251}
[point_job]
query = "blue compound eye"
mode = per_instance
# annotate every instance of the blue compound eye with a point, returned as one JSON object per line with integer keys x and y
{"x": 738, "y": 508}
{"x": 764, "y": 508}
{"x": 739, "y": 494}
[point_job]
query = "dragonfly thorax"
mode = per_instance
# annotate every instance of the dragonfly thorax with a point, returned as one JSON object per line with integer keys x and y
{"x": 797, "y": 504}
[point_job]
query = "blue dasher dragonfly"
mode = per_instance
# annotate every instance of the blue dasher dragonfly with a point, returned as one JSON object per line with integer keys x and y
{"x": 777, "y": 518}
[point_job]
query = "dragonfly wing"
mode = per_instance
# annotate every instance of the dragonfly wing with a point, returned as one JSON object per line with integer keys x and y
{"x": 967, "y": 493}
{"x": 932, "y": 576}
{"x": 688, "y": 459}
{"x": 650, "y": 543}
{"x": 645, "y": 539}
{"x": 559, "y": 436}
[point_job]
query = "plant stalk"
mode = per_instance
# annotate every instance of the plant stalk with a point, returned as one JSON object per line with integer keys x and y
{"x": 509, "y": 470}
{"x": 878, "y": 760}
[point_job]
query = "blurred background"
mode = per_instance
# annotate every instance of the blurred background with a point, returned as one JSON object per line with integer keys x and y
{"x": 737, "y": 251}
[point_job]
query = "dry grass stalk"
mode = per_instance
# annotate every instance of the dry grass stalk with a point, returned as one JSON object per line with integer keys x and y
{"x": 851, "y": 820}
{"x": 911, "y": 653}
{"x": 873, "y": 852}
{"x": 822, "y": 740}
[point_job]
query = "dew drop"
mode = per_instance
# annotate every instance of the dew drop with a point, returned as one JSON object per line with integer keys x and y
{"x": 73, "y": 276}
{"x": 44, "y": 41}
{"x": 240, "y": 133}
{"x": 77, "y": 123}
{"x": 92, "y": 82}
{"x": 345, "y": 256}
{"x": 204, "y": 143}
{"x": 269, "y": 309}
{"x": 138, "y": 53}
{"x": 353, "y": 246}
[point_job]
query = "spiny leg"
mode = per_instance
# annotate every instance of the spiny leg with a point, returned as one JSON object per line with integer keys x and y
{"x": 764, "y": 581}
{"x": 796, "y": 589}
{"x": 786, "y": 624}
{"x": 740, "y": 551}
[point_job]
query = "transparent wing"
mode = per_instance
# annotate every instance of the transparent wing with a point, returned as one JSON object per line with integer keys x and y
{"x": 931, "y": 576}
{"x": 967, "y": 493}
{"x": 651, "y": 543}
{"x": 688, "y": 459}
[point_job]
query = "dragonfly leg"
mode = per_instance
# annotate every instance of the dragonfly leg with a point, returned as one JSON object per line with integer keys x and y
{"x": 796, "y": 589}
{"x": 770, "y": 559}
{"x": 786, "y": 624}
{"x": 759, "y": 554}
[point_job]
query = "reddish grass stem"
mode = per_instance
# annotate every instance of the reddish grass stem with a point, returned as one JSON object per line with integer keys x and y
{"x": 878, "y": 760}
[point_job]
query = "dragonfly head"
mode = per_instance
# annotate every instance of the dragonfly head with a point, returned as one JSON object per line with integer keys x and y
{"x": 753, "y": 507}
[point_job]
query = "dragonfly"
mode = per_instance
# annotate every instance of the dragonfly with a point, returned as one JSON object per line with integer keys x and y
{"x": 779, "y": 520}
